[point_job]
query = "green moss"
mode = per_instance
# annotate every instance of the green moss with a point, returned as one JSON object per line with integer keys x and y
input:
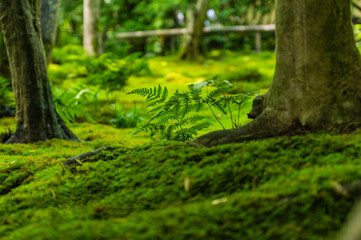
{"x": 275, "y": 188}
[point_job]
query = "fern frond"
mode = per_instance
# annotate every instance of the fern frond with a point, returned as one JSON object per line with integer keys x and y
{"x": 161, "y": 96}
{"x": 157, "y": 92}
{"x": 163, "y": 114}
{"x": 165, "y": 94}
{"x": 155, "y": 109}
{"x": 164, "y": 120}
{"x": 192, "y": 119}
{"x": 186, "y": 108}
{"x": 200, "y": 126}
{"x": 182, "y": 135}
{"x": 168, "y": 133}
{"x": 213, "y": 95}
{"x": 141, "y": 91}
{"x": 240, "y": 98}
{"x": 152, "y": 94}
{"x": 217, "y": 104}
{"x": 148, "y": 127}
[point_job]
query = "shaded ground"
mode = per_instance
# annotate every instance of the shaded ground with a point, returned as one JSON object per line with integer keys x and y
{"x": 285, "y": 188}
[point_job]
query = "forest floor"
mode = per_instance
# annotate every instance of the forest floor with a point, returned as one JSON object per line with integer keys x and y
{"x": 300, "y": 187}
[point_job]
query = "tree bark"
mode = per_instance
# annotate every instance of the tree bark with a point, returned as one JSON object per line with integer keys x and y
{"x": 317, "y": 81}
{"x": 36, "y": 117}
{"x": 92, "y": 39}
{"x": 4, "y": 64}
{"x": 192, "y": 43}
{"x": 49, "y": 13}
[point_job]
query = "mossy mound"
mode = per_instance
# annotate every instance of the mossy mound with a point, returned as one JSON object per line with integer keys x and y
{"x": 284, "y": 188}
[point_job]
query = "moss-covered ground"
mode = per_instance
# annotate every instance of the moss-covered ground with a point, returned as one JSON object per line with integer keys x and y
{"x": 280, "y": 188}
{"x": 284, "y": 188}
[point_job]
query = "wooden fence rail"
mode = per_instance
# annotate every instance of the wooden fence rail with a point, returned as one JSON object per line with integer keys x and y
{"x": 258, "y": 29}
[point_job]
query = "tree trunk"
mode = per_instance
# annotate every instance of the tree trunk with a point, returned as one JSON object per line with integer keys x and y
{"x": 4, "y": 64}
{"x": 49, "y": 13}
{"x": 92, "y": 39}
{"x": 317, "y": 82}
{"x": 192, "y": 43}
{"x": 36, "y": 117}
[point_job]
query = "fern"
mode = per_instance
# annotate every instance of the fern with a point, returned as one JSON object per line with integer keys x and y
{"x": 170, "y": 117}
{"x": 70, "y": 106}
{"x": 176, "y": 118}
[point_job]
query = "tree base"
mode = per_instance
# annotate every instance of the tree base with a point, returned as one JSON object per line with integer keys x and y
{"x": 267, "y": 126}
{"x": 21, "y": 136}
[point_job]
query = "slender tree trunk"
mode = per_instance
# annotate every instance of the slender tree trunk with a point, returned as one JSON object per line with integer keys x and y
{"x": 192, "y": 43}
{"x": 317, "y": 82}
{"x": 4, "y": 64}
{"x": 36, "y": 117}
{"x": 92, "y": 39}
{"x": 49, "y": 13}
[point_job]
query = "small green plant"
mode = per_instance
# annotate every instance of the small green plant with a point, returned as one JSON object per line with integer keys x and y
{"x": 6, "y": 134}
{"x": 111, "y": 74}
{"x": 7, "y": 102}
{"x": 123, "y": 120}
{"x": 171, "y": 116}
{"x": 177, "y": 117}
{"x": 70, "y": 105}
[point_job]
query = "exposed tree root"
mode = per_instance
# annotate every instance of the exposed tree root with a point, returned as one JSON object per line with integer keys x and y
{"x": 264, "y": 126}
{"x": 84, "y": 157}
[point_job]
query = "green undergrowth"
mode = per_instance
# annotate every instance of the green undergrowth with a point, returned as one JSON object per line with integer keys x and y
{"x": 247, "y": 72}
{"x": 281, "y": 188}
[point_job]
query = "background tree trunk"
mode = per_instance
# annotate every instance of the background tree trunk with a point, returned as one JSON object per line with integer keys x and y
{"x": 92, "y": 39}
{"x": 317, "y": 82}
{"x": 49, "y": 13}
{"x": 4, "y": 64}
{"x": 192, "y": 43}
{"x": 36, "y": 116}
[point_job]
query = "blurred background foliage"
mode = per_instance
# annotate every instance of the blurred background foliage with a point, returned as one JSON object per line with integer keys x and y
{"x": 139, "y": 15}
{"x": 93, "y": 89}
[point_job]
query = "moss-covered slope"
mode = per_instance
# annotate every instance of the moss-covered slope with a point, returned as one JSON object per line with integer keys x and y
{"x": 285, "y": 188}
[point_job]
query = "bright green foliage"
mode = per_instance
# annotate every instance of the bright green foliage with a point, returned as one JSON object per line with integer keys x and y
{"x": 178, "y": 117}
{"x": 110, "y": 74}
{"x": 71, "y": 105}
{"x": 123, "y": 120}
{"x": 6, "y": 134}
{"x": 219, "y": 99}
{"x": 107, "y": 72}
{"x": 171, "y": 116}
{"x": 6, "y": 96}
{"x": 271, "y": 189}
{"x": 72, "y": 76}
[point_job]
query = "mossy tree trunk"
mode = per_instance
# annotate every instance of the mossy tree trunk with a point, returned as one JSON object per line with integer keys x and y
{"x": 49, "y": 13}
{"x": 317, "y": 81}
{"x": 92, "y": 38}
{"x": 192, "y": 43}
{"x": 36, "y": 117}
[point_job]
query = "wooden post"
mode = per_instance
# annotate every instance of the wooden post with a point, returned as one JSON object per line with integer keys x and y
{"x": 162, "y": 44}
{"x": 173, "y": 45}
{"x": 258, "y": 41}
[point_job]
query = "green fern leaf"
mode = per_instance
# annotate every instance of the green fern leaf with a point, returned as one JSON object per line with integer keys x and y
{"x": 192, "y": 119}
{"x": 217, "y": 104}
{"x": 140, "y": 91}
